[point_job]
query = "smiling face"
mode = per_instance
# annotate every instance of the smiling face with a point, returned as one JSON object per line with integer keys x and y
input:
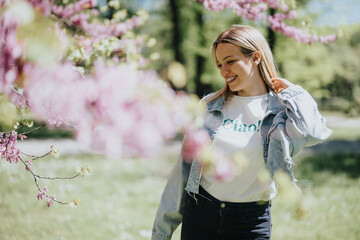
{"x": 240, "y": 72}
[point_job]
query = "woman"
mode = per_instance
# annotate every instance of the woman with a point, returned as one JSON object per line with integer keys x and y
{"x": 267, "y": 119}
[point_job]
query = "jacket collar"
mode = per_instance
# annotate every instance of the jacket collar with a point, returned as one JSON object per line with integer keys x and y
{"x": 274, "y": 103}
{"x": 216, "y": 104}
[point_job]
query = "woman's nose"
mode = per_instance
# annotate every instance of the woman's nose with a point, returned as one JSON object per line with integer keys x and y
{"x": 224, "y": 71}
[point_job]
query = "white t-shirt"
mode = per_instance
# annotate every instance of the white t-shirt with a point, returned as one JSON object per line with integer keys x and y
{"x": 240, "y": 132}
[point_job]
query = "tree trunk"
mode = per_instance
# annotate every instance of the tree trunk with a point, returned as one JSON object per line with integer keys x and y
{"x": 271, "y": 34}
{"x": 176, "y": 33}
{"x": 200, "y": 59}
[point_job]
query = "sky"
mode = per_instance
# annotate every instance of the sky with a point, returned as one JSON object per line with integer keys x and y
{"x": 335, "y": 12}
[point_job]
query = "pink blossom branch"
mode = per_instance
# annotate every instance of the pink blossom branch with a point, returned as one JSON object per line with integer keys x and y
{"x": 50, "y": 199}
{"x": 48, "y": 178}
{"x": 27, "y": 132}
{"x": 255, "y": 10}
{"x": 32, "y": 130}
{"x": 36, "y": 157}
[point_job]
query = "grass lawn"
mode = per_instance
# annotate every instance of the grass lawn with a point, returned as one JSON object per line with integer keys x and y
{"x": 120, "y": 198}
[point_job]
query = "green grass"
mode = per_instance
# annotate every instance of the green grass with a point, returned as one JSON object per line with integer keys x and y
{"x": 120, "y": 198}
{"x": 330, "y": 200}
{"x": 348, "y": 134}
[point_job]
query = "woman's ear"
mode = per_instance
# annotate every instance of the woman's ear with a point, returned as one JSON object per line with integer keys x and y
{"x": 256, "y": 57}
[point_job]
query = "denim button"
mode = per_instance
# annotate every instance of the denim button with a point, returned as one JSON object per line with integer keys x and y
{"x": 222, "y": 205}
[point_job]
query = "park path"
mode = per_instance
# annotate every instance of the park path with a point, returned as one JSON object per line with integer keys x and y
{"x": 340, "y": 121}
{"x": 70, "y": 146}
{"x": 333, "y": 146}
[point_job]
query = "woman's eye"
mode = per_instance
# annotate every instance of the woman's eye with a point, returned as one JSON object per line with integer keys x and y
{"x": 230, "y": 61}
{"x": 219, "y": 65}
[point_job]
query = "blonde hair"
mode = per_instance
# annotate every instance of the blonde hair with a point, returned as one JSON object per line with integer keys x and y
{"x": 249, "y": 40}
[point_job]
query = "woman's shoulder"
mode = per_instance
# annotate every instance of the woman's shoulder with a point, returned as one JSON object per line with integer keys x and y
{"x": 213, "y": 101}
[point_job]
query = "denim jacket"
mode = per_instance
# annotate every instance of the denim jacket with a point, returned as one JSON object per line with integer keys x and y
{"x": 291, "y": 122}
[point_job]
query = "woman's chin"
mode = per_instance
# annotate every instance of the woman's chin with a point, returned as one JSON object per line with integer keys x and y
{"x": 233, "y": 89}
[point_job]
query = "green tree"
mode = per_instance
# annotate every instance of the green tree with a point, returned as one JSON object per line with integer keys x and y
{"x": 329, "y": 72}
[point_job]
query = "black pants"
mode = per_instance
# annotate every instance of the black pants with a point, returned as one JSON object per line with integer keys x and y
{"x": 206, "y": 218}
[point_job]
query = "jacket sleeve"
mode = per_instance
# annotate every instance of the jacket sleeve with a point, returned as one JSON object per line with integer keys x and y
{"x": 304, "y": 124}
{"x": 169, "y": 214}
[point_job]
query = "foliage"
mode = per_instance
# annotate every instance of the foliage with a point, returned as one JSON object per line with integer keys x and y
{"x": 196, "y": 41}
{"x": 347, "y": 163}
{"x": 329, "y": 72}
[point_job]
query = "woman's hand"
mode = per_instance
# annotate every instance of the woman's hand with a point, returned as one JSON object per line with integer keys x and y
{"x": 279, "y": 84}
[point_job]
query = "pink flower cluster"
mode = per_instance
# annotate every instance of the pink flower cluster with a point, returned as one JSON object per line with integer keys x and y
{"x": 44, "y": 5}
{"x": 59, "y": 98}
{"x": 99, "y": 31}
{"x": 75, "y": 14}
{"x": 217, "y": 164}
{"x": 118, "y": 109}
{"x": 70, "y": 10}
{"x": 277, "y": 24}
{"x": 245, "y": 8}
{"x": 8, "y": 147}
{"x": 96, "y": 30}
{"x": 224, "y": 168}
{"x": 80, "y": 13}
{"x": 42, "y": 193}
{"x": 11, "y": 63}
{"x": 11, "y": 52}
{"x": 49, "y": 199}
{"x": 4, "y": 2}
{"x": 255, "y": 10}
{"x": 194, "y": 142}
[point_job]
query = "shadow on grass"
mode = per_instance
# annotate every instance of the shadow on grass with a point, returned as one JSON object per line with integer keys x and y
{"x": 335, "y": 146}
{"x": 340, "y": 162}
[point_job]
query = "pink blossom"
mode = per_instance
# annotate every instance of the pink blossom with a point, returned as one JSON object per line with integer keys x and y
{"x": 4, "y": 2}
{"x": 42, "y": 193}
{"x": 277, "y": 24}
{"x": 136, "y": 121}
{"x": 50, "y": 200}
{"x": 224, "y": 169}
{"x": 81, "y": 20}
{"x": 329, "y": 38}
{"x": 44, "y": 5}
{"x": 22, "y": 136}
{"x": 58, "y": 98}
{"x": 117, "y": 109}
{"x": 8, "y": 147}
{"x": 11, "y": 51}
{"x": 195, "y": 140}
{"x": 291, "y": 14}
{"x": 71, "y": 9}
{"x": 29, "y": 162}
{"x": 98, "y": 31}
{"x": 255, "y": 10}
